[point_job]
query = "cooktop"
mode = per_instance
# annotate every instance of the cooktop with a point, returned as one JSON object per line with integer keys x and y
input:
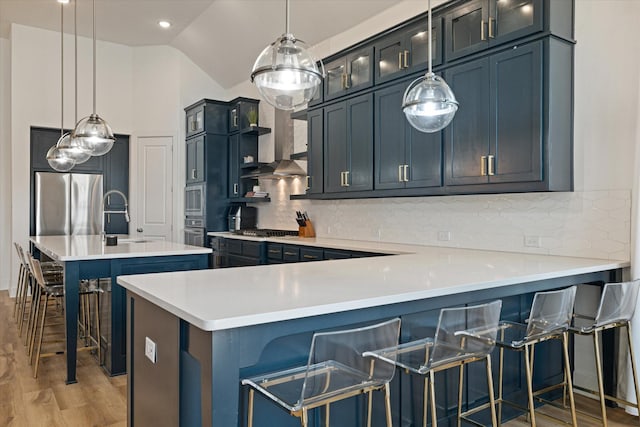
{"x": 266, "y": 232}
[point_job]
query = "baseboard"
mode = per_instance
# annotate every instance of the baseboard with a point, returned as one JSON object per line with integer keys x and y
{"x": 585, "y": 379}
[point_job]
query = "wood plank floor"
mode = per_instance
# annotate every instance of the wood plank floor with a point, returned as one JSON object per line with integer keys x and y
{"x": 98, "y": 400}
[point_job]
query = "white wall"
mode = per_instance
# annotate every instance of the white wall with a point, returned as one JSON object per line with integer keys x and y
{"x": 5, "y": 163}
{"x": 592, "y": 221}
{"x": 140, "y": 91}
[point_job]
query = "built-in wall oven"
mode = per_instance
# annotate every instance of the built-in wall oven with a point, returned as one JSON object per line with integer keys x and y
{"x": 194, "y": 200}
{"x": 194, "y": 232}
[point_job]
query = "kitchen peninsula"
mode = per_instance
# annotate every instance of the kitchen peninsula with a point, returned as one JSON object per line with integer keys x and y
{"x": 211, "y": 328}
{"x": 87, "y": 257}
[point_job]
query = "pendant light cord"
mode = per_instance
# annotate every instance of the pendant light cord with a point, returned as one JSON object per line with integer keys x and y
{"x": 429, "y": 34}
{"x": 286, "y": 30}
{"x": 94, "y": 56}
{"x": 61, "y": 70}
{"x": 75, "y": 56}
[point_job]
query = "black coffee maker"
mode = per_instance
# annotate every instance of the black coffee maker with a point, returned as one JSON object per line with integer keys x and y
{"x": 242, "y": 218}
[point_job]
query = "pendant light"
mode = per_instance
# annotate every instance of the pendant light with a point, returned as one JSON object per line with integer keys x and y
{"x": 286, "y": 73}
{"x": 75, "y": 148}
{"x": 428, "y": 102}
{"x": 56, "y": 157}
{"x": 93, "y": 130}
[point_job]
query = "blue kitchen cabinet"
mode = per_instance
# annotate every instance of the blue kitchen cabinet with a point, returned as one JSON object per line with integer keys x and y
{"x": 238, "y": 111}
{"x": 206, "y": 115}
{"x": 348, "y": 145}
{"x": 348, "y": 73}
{"x": 404, "y": 157}
{"x": 42, "y": 139}
{"x": 234, "y": 166}
{"x": 405, "y": 51}
{"x": 480, "y": 24}
{"x": 315, "y": 162}
{"x": 496, "y": 136}
{"x": 195, "y": 171}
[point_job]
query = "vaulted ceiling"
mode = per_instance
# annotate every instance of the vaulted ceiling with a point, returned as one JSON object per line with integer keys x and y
{"x": 223, "y": 37}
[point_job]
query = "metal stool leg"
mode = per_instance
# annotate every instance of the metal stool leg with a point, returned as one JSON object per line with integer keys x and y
{"x": 327, "y": 414}
{"x": 39, "y": 348}
{"x": 304, "y": 419}
{"x": 16, "y": 301}
{"x": 529, "y": 372}
{"x": 633, "y": 368}
{"x": 250, "y": 409}
{"x": 596, "y": 347}
{"x": 432, "y": 395}
{"x": 460, "y": 381}
{"x": 567, "y": 370}
{"x": 387, "y": 402}
{"x": 492, "y": 401}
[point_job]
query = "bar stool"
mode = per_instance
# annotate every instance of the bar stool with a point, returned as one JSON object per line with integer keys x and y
{"x": 54, "y": 292}
{"x": 336, "y": 370}
{"x": 23, "y": 277}
{"x": 550, "y": 318}
{"x": 617, "y": 306}
{"x": 464, "y": 335}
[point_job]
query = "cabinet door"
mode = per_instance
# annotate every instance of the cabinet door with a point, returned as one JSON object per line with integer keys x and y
{"x": 416, "y": 42}
{"x": 390, "y": 124}
{"x": 334, "y": 82}
{"x": 314, "y": 151}
{"x": 516, "y": 104}
{"x": 359, "y": 70}
{"x": 195, "y": 121}
{"x": 116, "y": 177}
{"x": 467, "y": 137}
{"x": 390, "y": 57}
{"x": 234, "y": 117}
{"x": 510, "y": 20}
{"x": 335, "y": 147}
{"x": 234, "y": 166}
{"x": 466, "y": 29}
{"x": 195, "y": 160}
{"x": 360, "y": 143}
{"x": 424, "y": 158}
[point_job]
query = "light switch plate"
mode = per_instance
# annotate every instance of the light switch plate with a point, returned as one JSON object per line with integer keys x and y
{"x": 150, "y": 349}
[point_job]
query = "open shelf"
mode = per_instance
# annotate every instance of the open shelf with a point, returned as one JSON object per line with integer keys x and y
{"x": 299, "y": 156}
{"x": 252, "y": 199}
{"x": 257, "y": 130}
{"x": 299, "y": 115}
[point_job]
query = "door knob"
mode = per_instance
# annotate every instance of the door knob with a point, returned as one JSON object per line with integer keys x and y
{"x": 139, "y": 230}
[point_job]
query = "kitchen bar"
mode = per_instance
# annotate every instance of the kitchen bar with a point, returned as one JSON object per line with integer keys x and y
{"x": 216, "y": 326}
{"x": 87, "y": 257}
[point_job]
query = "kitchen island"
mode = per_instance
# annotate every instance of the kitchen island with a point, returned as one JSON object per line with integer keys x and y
{"x": 87, "y": 257}
{"x": 212, "y": 328}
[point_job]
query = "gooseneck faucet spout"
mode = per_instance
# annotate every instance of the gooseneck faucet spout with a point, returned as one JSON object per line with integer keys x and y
{"x": 126, "y": 206}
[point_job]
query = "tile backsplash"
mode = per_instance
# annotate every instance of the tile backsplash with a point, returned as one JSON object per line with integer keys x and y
{"x": 594, "y": 224}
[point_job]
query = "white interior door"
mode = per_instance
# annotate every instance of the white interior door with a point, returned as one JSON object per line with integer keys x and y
{"x": 155, "y": 190}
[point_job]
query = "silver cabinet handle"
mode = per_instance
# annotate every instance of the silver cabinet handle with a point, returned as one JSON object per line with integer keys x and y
{"x": 193, "y": 174}
{"x": 400, "y": 169}
{"x": 399, "y": 60}
{"x": 491, "y": 165}
{"x": 346, "y": 178}
{"x": 309, "y": 256}
{"x": 308, "y": 180}
{"x": 483, "y": 165}
{"x": 347, "y": 80}
{"x": 491, "y": 23}
{"x": 341, "y": 179}
{"x": 234, "y": 113}
{"x": 406, "y": 173}
{"x": 483, "y": 36}
{"x": 235, "y": 188}
{"x": 406, "y": 59}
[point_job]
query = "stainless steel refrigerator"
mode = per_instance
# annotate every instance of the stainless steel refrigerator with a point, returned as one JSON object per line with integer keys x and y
{"x": 68, "y": 203}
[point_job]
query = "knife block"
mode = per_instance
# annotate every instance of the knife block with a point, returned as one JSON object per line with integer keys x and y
{"x": 306, "y": 230}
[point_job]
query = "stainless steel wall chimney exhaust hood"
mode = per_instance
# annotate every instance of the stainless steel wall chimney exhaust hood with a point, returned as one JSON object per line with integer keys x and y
{"x": 283, "y": 166}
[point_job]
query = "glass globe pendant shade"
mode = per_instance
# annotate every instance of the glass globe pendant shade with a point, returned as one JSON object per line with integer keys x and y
{"x": 58, "y": 160}
{"x": 73, "y": 148}
{"x": 429, "y": 103}
{"x": 286, "y": 73}
{"x": 95, "y": 134}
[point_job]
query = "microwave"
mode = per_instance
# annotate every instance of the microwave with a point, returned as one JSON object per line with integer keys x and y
{"x": 194, "y": 200}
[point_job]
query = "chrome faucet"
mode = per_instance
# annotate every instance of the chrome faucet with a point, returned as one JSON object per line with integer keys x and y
{"x": 125, "y": 211}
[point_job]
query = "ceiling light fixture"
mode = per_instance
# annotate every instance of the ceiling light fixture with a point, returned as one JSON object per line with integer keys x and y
{"x": 164, "y": 24}
{"x": 75, "y": 148}
{"x": 57, "y": 158}
{"x": 94, "y": 130}
{"x": 429, "y": 103}
{"x": 286, "y": 73}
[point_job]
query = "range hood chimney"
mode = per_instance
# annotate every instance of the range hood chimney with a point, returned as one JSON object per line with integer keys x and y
{"x": 283, "y": 166}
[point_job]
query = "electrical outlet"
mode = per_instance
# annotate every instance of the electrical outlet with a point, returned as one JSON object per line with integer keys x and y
{"x": 532, "y": 241}
{"x": 444, "y": 236}
{"x": 150, "y": 349}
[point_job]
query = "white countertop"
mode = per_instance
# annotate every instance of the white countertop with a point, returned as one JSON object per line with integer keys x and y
{"x": 78, "y": 248}
{"x": 236, "y": 297}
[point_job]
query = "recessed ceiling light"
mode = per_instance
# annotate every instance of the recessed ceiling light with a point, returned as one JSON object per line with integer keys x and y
{"x": 63, "y": 1}
{"x": 164, "y": 24}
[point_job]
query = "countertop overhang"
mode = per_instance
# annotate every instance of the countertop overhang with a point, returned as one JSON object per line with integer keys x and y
{"x": 237, "y": 297}
{"x": 91, "y": 247}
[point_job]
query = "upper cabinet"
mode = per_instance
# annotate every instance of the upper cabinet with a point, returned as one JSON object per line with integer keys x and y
{"x": 349, "y": 73}
{"x": 479, "y": 24}
{"x": 243, "y": 113}
{"x": 406, "y": 51}
{"x": 315, "y": 163}
{"x": 206, "y": 116}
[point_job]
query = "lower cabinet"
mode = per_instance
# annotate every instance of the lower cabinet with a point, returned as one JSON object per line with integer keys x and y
{"x": 243, "y": 253}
